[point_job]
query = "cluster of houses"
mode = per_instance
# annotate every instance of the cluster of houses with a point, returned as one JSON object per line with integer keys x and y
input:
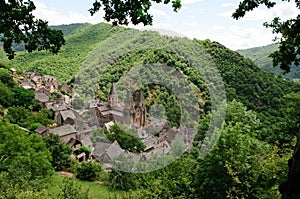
{"x": 70, "y": 125}
{"x": 76, "y": 131}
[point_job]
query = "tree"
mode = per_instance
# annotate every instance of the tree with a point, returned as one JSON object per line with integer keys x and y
{"x": 289, "y": 50}
{"x": 127, "y": 140}
{"x": 290, "y": 188}
{"x": 135, "y": 11}
{"x": 61, "y": 158}
{"x": 86, "y": 150}
{"x": 18, "y": 25}
{"x": 24, "y": 162}
{"x": 240, "y": 166}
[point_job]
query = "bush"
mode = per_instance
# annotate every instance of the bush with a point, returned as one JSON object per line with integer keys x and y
{"x": 86, "y": 150}
{"x": 34, "y": 126}
{"x": 70, "y": 190}
{"x": 89, "y": 171}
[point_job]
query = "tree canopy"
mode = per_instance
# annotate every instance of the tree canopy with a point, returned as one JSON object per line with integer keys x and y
{"x": 135, "y": 11}
{"x": 18, "y": 25}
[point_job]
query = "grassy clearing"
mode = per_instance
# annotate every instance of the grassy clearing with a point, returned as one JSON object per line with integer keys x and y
{"x": 96, "y": 190}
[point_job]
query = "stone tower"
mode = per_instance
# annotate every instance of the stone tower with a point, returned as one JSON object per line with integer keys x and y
{"x": 113, "y": 97}
{"x": 128, "y": 111}
{"x": 140, "y": 110}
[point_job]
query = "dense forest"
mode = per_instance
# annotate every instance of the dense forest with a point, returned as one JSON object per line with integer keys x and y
{"x": 260, "y": 56}
{"x": 256, "y": 137}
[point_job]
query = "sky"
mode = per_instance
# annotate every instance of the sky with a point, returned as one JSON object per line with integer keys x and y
{"x": 200, "y": 19}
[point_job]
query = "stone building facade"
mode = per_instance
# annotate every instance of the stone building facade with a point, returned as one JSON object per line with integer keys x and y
{"x": 131, "y": 113}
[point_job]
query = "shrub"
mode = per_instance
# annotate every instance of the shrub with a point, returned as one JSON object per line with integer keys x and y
{"x": 88, "y": 171}
{"x": 86, "y": 150}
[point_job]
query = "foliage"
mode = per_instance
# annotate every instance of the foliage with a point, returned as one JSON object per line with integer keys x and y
{"x": 86, "y": 150}
{"x": 16, "y": 96}
{"x": 6, "y": 97}
{"x": 6, "y": 78}
{"x": 123, "y": 12}
{"x": 60, "y": 152}
{"x": 260, "y": 56}
{"x": 241, "y": 166}
{"x": 68, "y": 29}
{"x": 66, "y": 63}
{"x": 123, "y": 180}
{"x": 89, "y": 171}
{"x": 19, "y": 25}
{"x": 70, "y": 190}
{"x": 257, "y": 90}
{"x": 24, "y": 161}
{"x": 126, "y": 140}
{"x": 34, "y": 126}
{"x": 288, "y": 52}
{"x": 21, "y": 116}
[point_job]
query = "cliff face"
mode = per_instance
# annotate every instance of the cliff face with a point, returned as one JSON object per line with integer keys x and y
{"x": 290, "y": 189}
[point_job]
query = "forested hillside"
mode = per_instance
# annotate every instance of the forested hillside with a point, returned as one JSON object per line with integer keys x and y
{"x": 67, "y": 62}
{"x": 257, "y": 136}
{"x": 260, "y": 56}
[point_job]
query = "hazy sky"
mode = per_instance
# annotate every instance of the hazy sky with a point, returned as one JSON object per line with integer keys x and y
{"x": 201, "y": 19}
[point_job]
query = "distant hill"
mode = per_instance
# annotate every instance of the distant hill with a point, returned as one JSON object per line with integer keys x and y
{"x": 80, "y": 40}
{"x": 260, "y": 56}
{"x": 66, "y": 29}
{"x": 69, "y": 28}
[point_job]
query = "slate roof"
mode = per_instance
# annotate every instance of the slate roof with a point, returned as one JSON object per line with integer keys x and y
{"x": 73, "y": 141}
{"x": 26, "y": 82}
{"x": 41, "y": 129}
{"x": 114, "y": 150}
{"x": 63, "y": 130}
{"x": 56, "y": 106}
{"x": 67, "y": 114}
{"x": 150, "y": 142}
{"x": 86, "y": 141}
{"x": 105, "y": 109}
{"x": 42, "y": 97}
{"x": 100, "y": 149}
{"x": 105, "y": 150}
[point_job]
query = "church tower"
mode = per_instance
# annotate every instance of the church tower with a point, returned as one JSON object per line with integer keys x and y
{"x": 140, "y": 110}
{"x": 128, "y": 111}
{"x": 113, "y": 97}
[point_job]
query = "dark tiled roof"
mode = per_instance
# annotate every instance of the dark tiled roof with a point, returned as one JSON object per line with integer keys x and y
{"x": 67, "y": 114}
{"x": 63, "y": 130}
{"x": 100, "y": 149}
{"x": 41, "y": 129}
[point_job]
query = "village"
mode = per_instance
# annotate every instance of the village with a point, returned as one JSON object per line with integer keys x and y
{"x": 76, "y": 130}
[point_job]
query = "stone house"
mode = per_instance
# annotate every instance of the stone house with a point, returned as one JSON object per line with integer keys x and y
{"x": 65, "y": 132}
{"x": 65, "y": 117}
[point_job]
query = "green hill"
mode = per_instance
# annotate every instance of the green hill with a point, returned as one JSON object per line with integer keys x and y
{"x": 66, "y": 63}
{"x": 260, "y": 56}
{"x": 69, "y": 28}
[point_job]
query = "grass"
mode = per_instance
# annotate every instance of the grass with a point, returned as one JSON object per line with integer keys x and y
{"x": 96, "y": 190}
